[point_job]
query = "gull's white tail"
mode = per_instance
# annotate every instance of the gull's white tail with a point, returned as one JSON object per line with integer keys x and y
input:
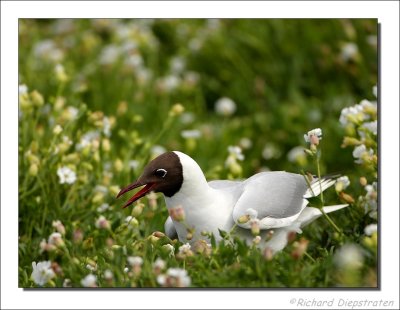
{"x": 318, "y": 186}
{"x": 309, "y": 214}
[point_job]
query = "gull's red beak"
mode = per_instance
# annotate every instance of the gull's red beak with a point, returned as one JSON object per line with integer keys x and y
{"x": 144, "y": 191}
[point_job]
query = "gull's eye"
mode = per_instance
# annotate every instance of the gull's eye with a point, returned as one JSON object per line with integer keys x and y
{"x": 161, "y": 173}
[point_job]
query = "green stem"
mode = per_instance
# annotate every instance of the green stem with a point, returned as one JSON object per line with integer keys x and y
{"x": 322, "y": 198}
{"x": 310, "y": 257}
{"x": 330, "y": 221}
{"x": 319, "y": 180}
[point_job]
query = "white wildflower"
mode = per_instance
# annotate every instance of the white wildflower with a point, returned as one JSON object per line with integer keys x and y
{"x": 372, "y": 127}
{"x": 106, "y": 126}
{"x": 371, "y": 200}
{"x": 67, "y": 283}
{"x": 183, "y": 249}
{"x": 375, "y": 91}
{"x": 58, "y": 226}
{"x": 296, "y": 154}
{"x": 157, "y": 150}
{"x": 187, "y": 118}
{"x": 134, "y": 61}
{"x": 256, "y": 240}
{"x": 342, "y": 183}
{"x": 109, "y": 55}
{"x": 349, "y": 256}
{"x": 143, "y": 75}
{"x": 368, "y": 105}
{"x": 236, "y": 152}
{"x": 175, "y": 277}
{"x": 102, "y": 223}
{"x": 361, "y": 152}
{"x": 57, "y": 130}
{"x": 354, "y": 114}
{"x": 245, "y": 143}
{"x": 191, "y": 78}
{"x": 169, "y": 83}
{"x": 313, "y": 136}
{"x": 60, "y": 73}
{"x": 56, "y": 239}
{"x": 47, "y": 50}
{"x": 370, "y": 229}
{"x": 133, "y": 164}
{"x": 91, "y": 267}
{"x": 252, "y": 213}
{"x": 159, "y": 264}
{"x": 63, "y": 26}
{"x": 87, "y": 139}
{"x": 72, "y": 113}
{"x": 108, "y": 275}
{"x": 42, "y": 272}
{"x": 191, "y": 134}
{"x": 135, "y": 261}
{"x": 66, "y": 175}
{"x": 101, "y": 189}
{"x": 225, "y": 106}
{"x": 177, "y": 65}
{"x": 103, "y": 207}
{"x": 22, "y": 89}
{"x": 270, "y": 151}
{"x": 89, "y": 281}
{"x": 349, "y": 51}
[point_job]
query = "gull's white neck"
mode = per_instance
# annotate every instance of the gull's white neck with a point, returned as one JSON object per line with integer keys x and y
{"x": 206, "y": 209}
{"x": 194, "y": 190}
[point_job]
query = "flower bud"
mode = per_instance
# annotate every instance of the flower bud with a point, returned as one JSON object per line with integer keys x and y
{"x": 189, "y": 236}
{"x": 314, "y": 140}
{"x": 299, "y": 248}
{"x": 118, "y": 165}
{"x": 177, "y": 213}
{"x": 291, "y": 236}
{"x": 255, "y": 227}
{"x": 168, "y": 249}
{"x": 350, "y": 141}
{"x": 153, "y": 239}
{"x": 363, "y": 181}
{"x": 243, "y": 219}
{"x": 33, "y": 170}
{"x": 176, "y": 110}
{"x": 77, "y": 236}
{"x": 122, "y": 108}
{"x": 59, "y": 227}
{"x": 158, "y": 234}
{"x": 256, "y": 240}
{"x": 106, "y": 146}
{"x": 138, "y": 209}
{"x": 268, "y": 253}
{"x": 57, "y": 130}
{"x": 346, "y": 198}
{"x": 37, "y": 98}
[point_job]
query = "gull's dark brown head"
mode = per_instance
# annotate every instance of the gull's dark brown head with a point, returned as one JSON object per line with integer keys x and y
{"x": 163, "y": 174}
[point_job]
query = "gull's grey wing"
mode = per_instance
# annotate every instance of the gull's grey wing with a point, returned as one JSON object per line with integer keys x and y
{"x": 224, "y": 184}
{"x": 275, "y": 196}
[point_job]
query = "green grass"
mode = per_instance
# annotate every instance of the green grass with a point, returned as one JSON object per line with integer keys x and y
{"x": 286, "y": 77}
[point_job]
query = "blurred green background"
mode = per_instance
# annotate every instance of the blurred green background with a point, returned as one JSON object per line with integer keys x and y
{"x": 285, "y": 76}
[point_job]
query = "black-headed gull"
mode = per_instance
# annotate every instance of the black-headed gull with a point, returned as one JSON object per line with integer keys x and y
{"x": 270, "y": 200}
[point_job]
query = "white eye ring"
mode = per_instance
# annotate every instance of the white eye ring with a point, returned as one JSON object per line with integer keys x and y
{"x": 161, "y": 173}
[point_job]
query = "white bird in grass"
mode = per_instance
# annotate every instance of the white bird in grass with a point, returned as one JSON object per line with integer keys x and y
{"x": 268, "y": 200}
